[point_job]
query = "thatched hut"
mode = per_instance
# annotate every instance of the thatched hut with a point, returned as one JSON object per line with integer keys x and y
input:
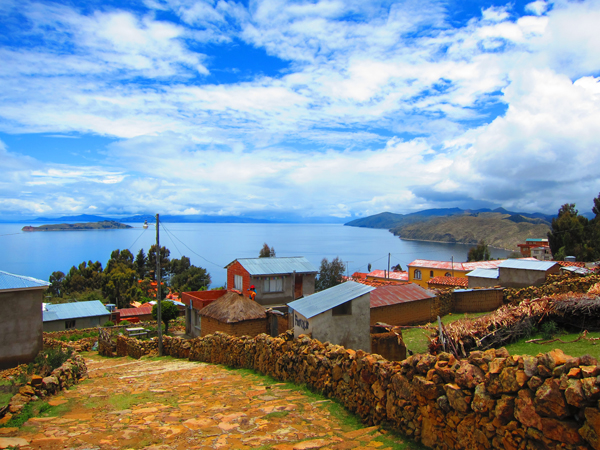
{"x": 234, "y": 314}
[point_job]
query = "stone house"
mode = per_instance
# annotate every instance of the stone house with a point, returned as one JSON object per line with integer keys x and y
{"x": 515, "y": 273}
{"x": 76, "y": 315}
{"x": 194, "y": 303}
{"x": 278, "y": 281}
{"x": 21, "y": 329}
{"x": 339, "y": 315}
{"x": 233, "y": 314}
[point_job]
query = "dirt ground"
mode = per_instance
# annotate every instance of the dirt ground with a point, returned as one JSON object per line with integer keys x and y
{"x": 176, "y": 404}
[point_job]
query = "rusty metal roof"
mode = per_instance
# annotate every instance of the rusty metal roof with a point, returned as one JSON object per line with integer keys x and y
{"x": 402, "y": 293}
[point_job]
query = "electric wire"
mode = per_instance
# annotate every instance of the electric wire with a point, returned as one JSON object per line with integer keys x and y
{"x": 169, "y": 235}
{"x": 129, "y": 248}
{"x": 220, "y": 266}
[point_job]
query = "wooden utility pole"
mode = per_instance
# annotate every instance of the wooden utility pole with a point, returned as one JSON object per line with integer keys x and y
{"x": 388, "y": 273}
{"x": 158, "y": 293}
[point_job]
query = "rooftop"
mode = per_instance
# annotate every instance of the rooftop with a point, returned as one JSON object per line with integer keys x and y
{"x": 401, "y": 276}
{"x": 275, "y": 266}
{"x": 320, "y": 302}
{"x": 75, "y": 310}
{"x": 485, "y": 273}
{"x": 450, "y": 281}
{"x": 399, "y": 293}
{"x": 462, "y": 266}
{"x": 11, "y": 282}
{"x": 527, "y": 264}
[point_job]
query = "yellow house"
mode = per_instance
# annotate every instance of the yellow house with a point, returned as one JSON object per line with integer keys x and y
{"x": 420, "y": 271}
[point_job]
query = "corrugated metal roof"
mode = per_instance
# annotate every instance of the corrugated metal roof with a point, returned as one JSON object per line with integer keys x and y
{"x": 329, "y": 298}
{"x": 485, "y": 273}
{"x": 403, "y": 276}
{"x": 12, "y": 281}
{"x": 276, "y": 266}
{"x": 527, "y": 264}
{"x": 65, "y": 311}
{"x": 134, "y": 312}
{"x": 402, "y": 293}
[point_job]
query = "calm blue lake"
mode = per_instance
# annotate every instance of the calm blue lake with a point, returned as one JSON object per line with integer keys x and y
{"x": 212, "y": 246}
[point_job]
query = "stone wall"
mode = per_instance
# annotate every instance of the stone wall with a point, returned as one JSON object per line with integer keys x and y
{"x": 490, "y": 400}
{"x": 555, "y": 284}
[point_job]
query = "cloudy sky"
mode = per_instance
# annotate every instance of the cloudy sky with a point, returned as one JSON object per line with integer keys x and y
{"x": 309, "y": 108}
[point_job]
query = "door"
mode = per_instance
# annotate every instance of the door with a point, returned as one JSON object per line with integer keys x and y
{"x": 298, "y": 286}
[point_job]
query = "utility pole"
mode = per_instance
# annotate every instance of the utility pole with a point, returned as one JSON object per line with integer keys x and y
{"x": 348, "y": 269}
{"x": 158, "y": 293}
{"x": 388, "y": 274}
{"x": 453, "y": 265}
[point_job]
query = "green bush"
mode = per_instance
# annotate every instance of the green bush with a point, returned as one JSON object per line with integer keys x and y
{"x": 549, "y": 329}
{"x": 108, "y": 323}
{"x": 124, "y": 322}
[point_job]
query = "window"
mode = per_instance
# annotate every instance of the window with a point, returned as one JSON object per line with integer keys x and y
{"x": 69, "y": 324}
{"x": 431, "y": 274}
{"x": 238, "y": 282}
{"x": 345, "y": 309}
{"x": 273, "y": 284}
{"x": 417, "y": 274}
{"x": 448, "y": 274}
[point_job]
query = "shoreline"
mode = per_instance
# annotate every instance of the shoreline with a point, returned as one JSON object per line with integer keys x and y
{"x": 446, "y": 242}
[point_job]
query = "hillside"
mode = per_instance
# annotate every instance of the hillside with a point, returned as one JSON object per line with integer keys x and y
{"x": 104, "y": 225}
{"x": 495, "y": 228}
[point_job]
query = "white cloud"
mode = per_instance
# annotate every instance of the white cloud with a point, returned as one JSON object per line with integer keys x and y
{"x": 538, "y": 7}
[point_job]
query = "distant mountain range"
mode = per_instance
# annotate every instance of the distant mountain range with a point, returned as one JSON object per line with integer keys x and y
{"x": 198, "y": 218}
{"x": 499, "y": 227}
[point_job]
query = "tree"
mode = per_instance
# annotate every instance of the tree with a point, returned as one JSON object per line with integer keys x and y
{"x": 369, "y": 267}
{"x": 164, "y": 262}
{"x": 192, "y": 279}
{"x": 571, "y": 235}
{"x": 168, "y": 312}
{"x": 86, "y": 277}
{"x": 56, "y": 284}
{"x": 397, "y": 268}
{"x": 140, "y": 264}
{"x": 330, "y": 274}
{"x": 120, "y": 279}
{"x": 481, "y": 252}
{"x": 266, "y": 252}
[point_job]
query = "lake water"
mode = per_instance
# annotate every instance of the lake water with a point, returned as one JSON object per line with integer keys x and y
{"x": 212, "y": 246}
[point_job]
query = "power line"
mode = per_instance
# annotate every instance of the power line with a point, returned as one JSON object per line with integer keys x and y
{"x": 129, "y": 248}
{"x": 220, "y": 266}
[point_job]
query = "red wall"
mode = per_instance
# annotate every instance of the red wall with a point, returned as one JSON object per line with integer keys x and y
{"x": 237, "y": 269}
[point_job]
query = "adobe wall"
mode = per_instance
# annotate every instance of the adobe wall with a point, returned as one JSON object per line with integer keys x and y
{"x": 245, "y": 328}
{"x": 404, "y": 313}
{"x": 20, "y": 326}
{"x": 490, "y": 400}
{"x": 480, "y": 300}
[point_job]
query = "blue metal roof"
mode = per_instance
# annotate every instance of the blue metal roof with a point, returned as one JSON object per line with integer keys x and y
{"x": 276, "y": 266}
{"x": 65, "y": 311}
{"x": 11, "y": 281}
{"x": 320, "y": 302}
{"x": 484, "y": 273}
{"x": 526, "y": 264}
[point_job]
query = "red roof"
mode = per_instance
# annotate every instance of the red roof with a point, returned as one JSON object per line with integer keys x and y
{"x": 402, "y": 276}
{"x": 359, "y": 275}
{"x": 462, "y": 266}
{"x": 399, "y": 293}
{"x": 134, "y": 312}
{"x": 200, "y": 299}
{"x": 570, "y": 263}
{"x": 449, "y": 281}
{"x": 375, "y": 283}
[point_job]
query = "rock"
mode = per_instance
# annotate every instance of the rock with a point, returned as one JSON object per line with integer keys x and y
{"x": 512, "y": 379}
{"x": 36, "y": 380}
{"x": 530, "y": 364}
{"x": 574, "y": 393}
{"x": 482, "y": 402}
{"x": 468, "y": 375}
{"x": 525, "y": 411}
{"x": 504, "y": 410}
{"x": 457, "y": 398}
{"x": 26, "y": 390}
{"x": 550, "y": 401}
{"x": 561, "y": 431}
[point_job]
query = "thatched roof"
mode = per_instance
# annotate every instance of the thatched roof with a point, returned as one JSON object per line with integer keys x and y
{"x": 233, "y": 307}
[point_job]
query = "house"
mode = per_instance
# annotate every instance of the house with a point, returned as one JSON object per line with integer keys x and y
{"x": 537, "y": 248}
{"x": 278, "y": 281}
{"x": 339, "y": 315}
{"x": 194, "y": 303}
{"x": 21, "y": 330}
{"x": 233, "y": 314}
{"x": 514, "y": 273}
{"x": 76, "y": 315}
{"x": 402, "y": 304}
{"x": 420, "y": 271}
{"x": 135, "y": 315}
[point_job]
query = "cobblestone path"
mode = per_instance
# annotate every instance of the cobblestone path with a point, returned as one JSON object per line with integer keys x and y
{"x": 176, "y": 404}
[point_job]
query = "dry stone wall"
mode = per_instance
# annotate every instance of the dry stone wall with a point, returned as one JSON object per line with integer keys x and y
{"x": 490, "y": 400}
{"x": 555, "y": 284}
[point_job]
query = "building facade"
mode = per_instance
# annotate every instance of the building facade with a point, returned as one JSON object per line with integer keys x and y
{"x": 76, "y": 315}
{"x": 277, "y": 281}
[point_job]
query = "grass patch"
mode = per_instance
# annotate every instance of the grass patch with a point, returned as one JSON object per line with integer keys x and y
{"x": 579, "y": 348}
{"x": 277, "y": 414}
{"x": 396, "y": 441}
{"x": 416, "y": 340}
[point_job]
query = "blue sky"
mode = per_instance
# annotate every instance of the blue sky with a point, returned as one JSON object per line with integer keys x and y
{"x": 313, "y": 108}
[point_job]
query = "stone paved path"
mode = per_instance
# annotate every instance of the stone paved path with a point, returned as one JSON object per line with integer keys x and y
{"x": 176, "y": 404}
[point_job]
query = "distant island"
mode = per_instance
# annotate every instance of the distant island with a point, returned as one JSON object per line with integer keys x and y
{"x": 103, "y": 225}
{"x": 499, "y": 228}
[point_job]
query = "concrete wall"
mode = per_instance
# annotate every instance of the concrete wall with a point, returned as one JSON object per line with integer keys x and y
{"x": 408, "y": 313}
{"x": 274, "y": 298}
{"x": 475, "y": 282}
{"x": 352, "y": 331}
{"x": 81, "y": 322}
{"x": 523, "y": 278}
{"x": 20, "y": 326}
{"x": 426, "y": 274}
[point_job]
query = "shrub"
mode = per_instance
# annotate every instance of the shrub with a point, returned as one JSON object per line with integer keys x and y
{"x": 124, "y": 322}
{"x": 108, "y": 323}
{"x": 549, "y": 329}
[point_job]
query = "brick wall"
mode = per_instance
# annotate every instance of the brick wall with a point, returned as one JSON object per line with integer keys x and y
{"x": 403, "y": 313}
{"x": 246, "y": 328}
{"x": 237, "y": 269}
